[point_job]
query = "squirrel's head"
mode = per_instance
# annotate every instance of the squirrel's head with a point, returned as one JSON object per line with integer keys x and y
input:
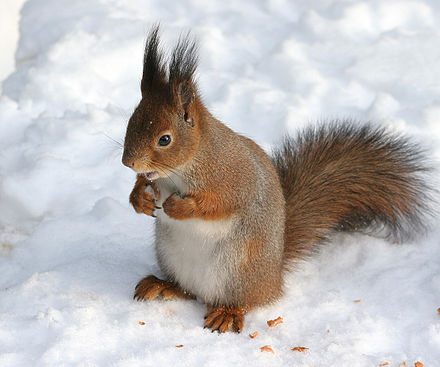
{"x": 164, "y": 131}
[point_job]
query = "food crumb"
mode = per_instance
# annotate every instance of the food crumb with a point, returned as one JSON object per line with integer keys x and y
{"x": 254, "y": 334}
{"x": 299, "y": 349}
{"x": 267, "y": 348}
{"x": 357, "y": 301}
{"x": 277, "y": 321}
{"x": 438, "y": 311}
{"x": 384, "y": 363}
{"x": 179, "y": 346}
{"x": 418, "y": 364}
{"x": 141, "y": 322}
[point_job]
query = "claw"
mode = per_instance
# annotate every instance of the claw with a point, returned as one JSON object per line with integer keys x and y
{"x": 151, "y": 288}
{"x": 223, "y": 319}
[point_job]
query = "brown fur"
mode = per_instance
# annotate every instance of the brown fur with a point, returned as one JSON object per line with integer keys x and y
{"x": 263, "y": 283}
{"x": 343, "y": 177}
{"x": 150, "y": 288}
{"x": 222, "y": 318}
{"x": 340, "y": 177}
{"x": 143, "y": 202}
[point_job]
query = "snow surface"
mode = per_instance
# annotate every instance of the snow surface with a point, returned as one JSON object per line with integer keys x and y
{"x": 72, "y": 249}
{"x": 8, "y": 25}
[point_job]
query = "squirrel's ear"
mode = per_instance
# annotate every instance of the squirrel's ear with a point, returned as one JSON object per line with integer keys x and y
{"x": 181, "y": 76}
{"x": 186, "y": 95}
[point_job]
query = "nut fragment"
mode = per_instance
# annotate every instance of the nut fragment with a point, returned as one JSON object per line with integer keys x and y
{"x": 267, "y": 348}
{"x": 277, "y": 321}
{"x": 418, "y": 364}
{"x": 254, "y": 334}
{"x": 299, "y": 349}
{"x": 141, "y": 322}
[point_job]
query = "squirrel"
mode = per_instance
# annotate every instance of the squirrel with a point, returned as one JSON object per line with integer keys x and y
{"x": 230, "y": 219}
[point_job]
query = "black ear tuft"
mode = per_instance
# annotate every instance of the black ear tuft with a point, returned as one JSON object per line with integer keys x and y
{"x": 154, "y": 64}
{"x": 183, "y": 60}
{"x": 183, "y": 65}
{"x": 178, "y": 84}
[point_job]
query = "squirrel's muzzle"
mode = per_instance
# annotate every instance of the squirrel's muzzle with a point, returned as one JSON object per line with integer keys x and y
{"x": 128, "y": 160}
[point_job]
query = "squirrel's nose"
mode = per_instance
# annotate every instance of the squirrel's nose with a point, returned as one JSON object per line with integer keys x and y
{"x": 128, "y": 161}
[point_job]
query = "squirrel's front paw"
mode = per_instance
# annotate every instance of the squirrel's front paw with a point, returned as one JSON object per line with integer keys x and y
{"x": 179, "y": 208}
{"x": 143, "y": 200}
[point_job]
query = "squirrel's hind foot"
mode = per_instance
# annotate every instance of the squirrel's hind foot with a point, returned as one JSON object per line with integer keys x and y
{"x": 223, "y": 319}
{"x": 151, "y": 287}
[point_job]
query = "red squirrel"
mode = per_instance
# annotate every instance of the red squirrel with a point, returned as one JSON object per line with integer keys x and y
{"x": 229, "y": 217}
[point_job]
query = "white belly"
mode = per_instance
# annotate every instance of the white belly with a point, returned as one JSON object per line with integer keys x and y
{"x": 193, "y": 253}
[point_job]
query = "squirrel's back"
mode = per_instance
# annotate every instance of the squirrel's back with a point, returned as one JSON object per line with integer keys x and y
{"x": 343, "y": 176}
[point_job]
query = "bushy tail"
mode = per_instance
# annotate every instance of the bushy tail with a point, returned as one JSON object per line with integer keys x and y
{"x": 344, "y": 177}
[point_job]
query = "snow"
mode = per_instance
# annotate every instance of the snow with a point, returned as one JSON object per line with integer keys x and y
{"x": 72, "y": 249}
{"x": 8, "y": 25}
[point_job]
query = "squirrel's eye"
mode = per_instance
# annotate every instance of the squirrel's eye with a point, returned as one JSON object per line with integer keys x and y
{"x": 164, "y": 140}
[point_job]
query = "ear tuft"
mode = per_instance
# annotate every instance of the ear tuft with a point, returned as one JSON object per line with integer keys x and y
{"x": 154, "y": 71}
{"x": 179, "y": 85}
{"x": 183, "y": 65}
{"x": 184, "y": 60}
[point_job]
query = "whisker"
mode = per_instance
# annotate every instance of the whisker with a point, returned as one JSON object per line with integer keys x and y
{"x": 175, "y": 185}
{"x": 118, "y": 143}
{"x": 163, "y": 167}
{"x": 169, "y": 168}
